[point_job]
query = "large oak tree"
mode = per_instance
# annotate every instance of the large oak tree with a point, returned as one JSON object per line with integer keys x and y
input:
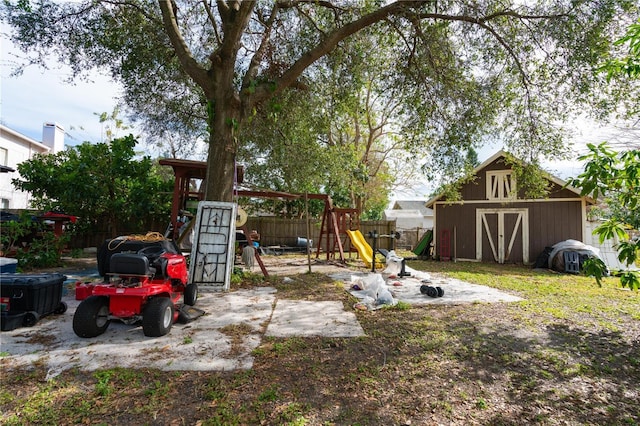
{"x": 532, "y": 62}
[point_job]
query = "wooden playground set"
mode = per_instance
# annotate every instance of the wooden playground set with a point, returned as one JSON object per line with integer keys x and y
{"x": 339, "y": 225}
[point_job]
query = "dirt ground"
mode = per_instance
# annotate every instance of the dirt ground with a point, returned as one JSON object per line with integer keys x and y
{"x": 466, "y": 363}
{"x": 260, "y": 311}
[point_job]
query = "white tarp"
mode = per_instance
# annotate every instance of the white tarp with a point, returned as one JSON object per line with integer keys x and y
{"x": 555, "y": 261}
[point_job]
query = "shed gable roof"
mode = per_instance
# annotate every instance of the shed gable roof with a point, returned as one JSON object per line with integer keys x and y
{"x": 503, "y": 155}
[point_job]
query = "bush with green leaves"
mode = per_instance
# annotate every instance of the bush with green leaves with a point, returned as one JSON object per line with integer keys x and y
{"x": 42, "y": 252}
{"x": 104, "y": 184}
{"x": 13, "y": 231}
{"x": 615, "y": 178}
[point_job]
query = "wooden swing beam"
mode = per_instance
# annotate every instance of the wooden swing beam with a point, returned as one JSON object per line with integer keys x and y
{"x": 335, "y": 221}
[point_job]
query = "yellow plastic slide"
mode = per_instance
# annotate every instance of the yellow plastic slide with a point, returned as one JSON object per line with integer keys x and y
{"x": 364, "y": 249}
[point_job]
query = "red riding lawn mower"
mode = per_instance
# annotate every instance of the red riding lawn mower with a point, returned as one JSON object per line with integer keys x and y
{"x": 144, "y": 281}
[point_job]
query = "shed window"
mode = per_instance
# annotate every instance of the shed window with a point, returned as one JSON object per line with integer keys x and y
{"x": 501, "y": 185}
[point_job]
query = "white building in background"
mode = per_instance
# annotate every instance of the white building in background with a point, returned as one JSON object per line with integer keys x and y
{"x": 16, "y": 148}
{"x": 410, "y": 214}
{"x": 412, "y": 219}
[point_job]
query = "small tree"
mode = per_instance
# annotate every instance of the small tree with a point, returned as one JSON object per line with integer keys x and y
{"x": 100, "y": 183}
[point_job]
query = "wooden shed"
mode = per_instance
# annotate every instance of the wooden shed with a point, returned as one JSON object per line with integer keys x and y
{"x": 493, "y": 221}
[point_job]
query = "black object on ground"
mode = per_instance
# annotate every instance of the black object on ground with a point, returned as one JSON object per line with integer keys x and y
{"x": 188, "y": 313}
{"x": 28, "y": 297}
{"x": 431, "y": 291}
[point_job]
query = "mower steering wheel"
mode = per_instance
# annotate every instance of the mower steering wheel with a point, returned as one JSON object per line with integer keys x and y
{"x": 152, "y": 252}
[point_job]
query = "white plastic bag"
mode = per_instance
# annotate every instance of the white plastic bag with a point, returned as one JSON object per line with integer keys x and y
{"x": 385, "y": 298}
{"x": 394, "y": 264}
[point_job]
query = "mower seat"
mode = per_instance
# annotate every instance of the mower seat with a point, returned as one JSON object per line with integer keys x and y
{"x": 130, "y": 264}
{"x": 160, "y": 265}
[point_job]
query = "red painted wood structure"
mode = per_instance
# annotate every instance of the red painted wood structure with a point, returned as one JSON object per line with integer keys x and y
{"x": 445, "y": 245}
{"x": 335, "y": 223}
{"x": 59, "y": 220}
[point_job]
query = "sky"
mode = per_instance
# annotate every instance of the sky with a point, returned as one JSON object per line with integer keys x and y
{"x": 43, "y": 96}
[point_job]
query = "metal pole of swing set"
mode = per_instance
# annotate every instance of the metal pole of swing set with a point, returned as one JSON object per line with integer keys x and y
{"x": 374, "y": 235}
{"x": 306, "y": 213}
{"x": 455, "y": 245}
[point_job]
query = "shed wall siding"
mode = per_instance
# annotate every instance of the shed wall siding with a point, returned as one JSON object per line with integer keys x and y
{"x": 554, "y": 222}
{"x": 461, "y": 219}
{"x": 476, "y": 190}
{"x": 549, "y": 223}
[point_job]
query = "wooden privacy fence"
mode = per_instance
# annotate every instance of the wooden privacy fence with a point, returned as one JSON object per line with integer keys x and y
{"x": 287, "y": 232}
{"x": 273, "y": 232}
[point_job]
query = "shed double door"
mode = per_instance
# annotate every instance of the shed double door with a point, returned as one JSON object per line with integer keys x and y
{"x": 502, "y": 235}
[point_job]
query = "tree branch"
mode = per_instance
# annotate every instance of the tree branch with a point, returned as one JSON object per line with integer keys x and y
{"x": 288, "y": 4}
{"x": 223, "y": 7}
{"x": 131, "y": 4}
{"x": 254, "y": 65}
{"x": 212, "y": 19}
{"x": 514, "y": 14}
{"x": 313, "y": 23}
{"x": 234, "y": 15}
{"x": 330, "y": 43}
{"x": 483, "y": 22}
{"x": 191, "y": 66}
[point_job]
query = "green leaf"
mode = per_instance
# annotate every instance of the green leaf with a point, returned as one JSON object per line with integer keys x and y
{"x": 596, "y": 268}
{"x": 630, "y": 279}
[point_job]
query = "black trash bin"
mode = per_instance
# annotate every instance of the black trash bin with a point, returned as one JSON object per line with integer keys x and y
{"x": 25, "y": 298}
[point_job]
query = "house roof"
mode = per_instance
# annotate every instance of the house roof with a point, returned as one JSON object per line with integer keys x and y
{"x": 25, "y": 139}
{"x": 413, "y": 205}
{"x": 503, "y": 153}
{"x": 397, "y": 213}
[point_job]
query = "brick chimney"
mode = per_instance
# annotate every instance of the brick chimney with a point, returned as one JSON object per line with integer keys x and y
{"x": 53, "y": 137}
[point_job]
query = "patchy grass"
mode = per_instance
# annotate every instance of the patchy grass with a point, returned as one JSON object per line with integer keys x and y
{"x": 549, "y": 295}
{"x": 567, "y": 354}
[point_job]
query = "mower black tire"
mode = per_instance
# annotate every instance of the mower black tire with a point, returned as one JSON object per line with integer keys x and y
{"x": 191, "y": 294}
{"x": 157, "y": 317}
{"x": 92, "y": 317}
{"x": 440, "y": 291}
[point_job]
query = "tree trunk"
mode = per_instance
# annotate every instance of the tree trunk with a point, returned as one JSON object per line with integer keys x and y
{"x": 218, "y": 86}
{"x": 221, "y": 162}
{"x": 358, "y": 203}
